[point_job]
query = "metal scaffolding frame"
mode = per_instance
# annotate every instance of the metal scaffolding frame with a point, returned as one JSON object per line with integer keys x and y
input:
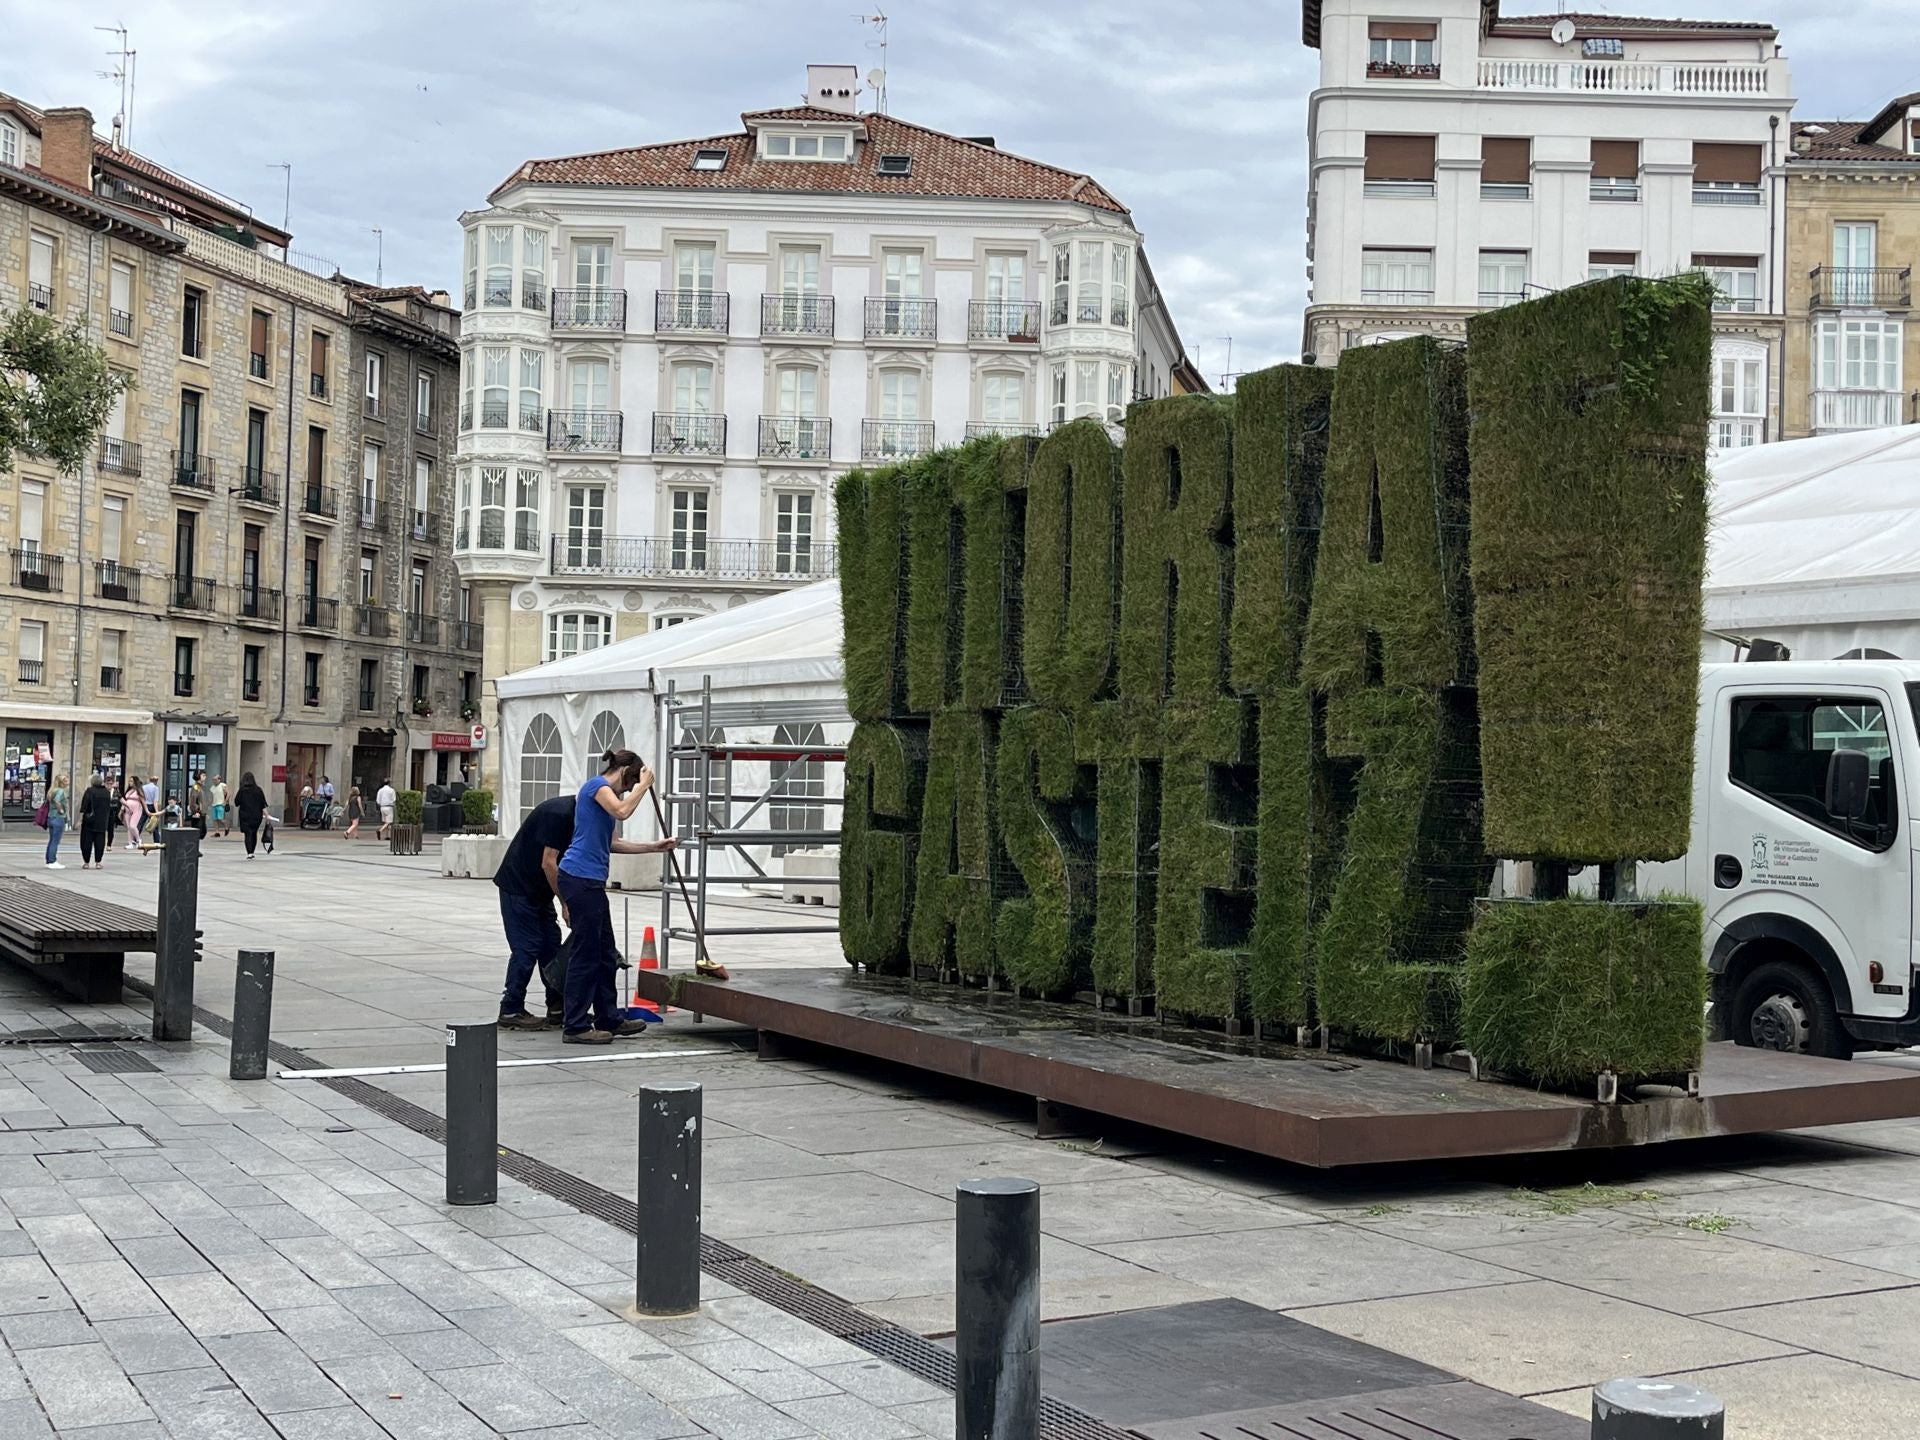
{"x": 679, "y": 716}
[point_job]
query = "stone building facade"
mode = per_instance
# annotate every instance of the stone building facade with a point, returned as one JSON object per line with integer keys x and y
{"x": 159, "y": 613}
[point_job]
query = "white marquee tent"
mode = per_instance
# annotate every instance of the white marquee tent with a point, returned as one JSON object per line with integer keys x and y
{"x": 1816, "y": 543}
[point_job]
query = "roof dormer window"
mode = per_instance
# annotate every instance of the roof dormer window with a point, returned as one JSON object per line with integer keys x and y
{"x": 709, "y": 159}
{"x": 896, "y": 165}
{"x": 9, "y": 143}
{"x": 777, "y": 146}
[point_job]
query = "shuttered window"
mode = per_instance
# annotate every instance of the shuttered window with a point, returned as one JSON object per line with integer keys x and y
{"x": 1400, "y": 157}
{"x": 1400, "y": 30}
{"x": 1616, "y": 159}
{"x": 1506, "y": 160}
{"x": 1732, "y": 164}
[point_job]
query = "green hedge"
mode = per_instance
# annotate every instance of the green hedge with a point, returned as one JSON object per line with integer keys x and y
{"x": 936, "y": 588}
{"x": 1279, "y": 978}
{"x": 989, "y": 484}
{"x": 886, "y": 771}
{"x": 409, "y": 807}
{"x": 1071, "y": 592}
{"x": 1042, "y": 938}
{"x": 1124, "y": 743}
{"x": 871, "y": 522}
{"x": 476, "y": 807}
{"x": 1559, "y": 990}
{"x": 1208, "y": 809}
{"x": 953, "y": 900}
{"x": 1589, "y": 546}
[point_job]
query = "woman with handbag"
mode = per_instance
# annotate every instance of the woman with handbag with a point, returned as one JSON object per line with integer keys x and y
{"x": 53, "y": 815}
{"x": 133, "y": 812}
{"x": 98, "y": 810}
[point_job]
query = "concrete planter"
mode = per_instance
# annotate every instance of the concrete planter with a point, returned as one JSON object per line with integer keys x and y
{"x": 472, "y": 857}
{"x": 799, "y": 886}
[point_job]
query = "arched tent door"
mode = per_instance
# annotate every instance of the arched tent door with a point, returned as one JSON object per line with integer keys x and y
{"x": 540, "y": 761}
{"x": 800, "y": 787}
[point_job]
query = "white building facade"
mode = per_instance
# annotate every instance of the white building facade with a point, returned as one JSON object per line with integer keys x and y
{"x": 1462, "y": 160}
{"x": 673, "y": 350}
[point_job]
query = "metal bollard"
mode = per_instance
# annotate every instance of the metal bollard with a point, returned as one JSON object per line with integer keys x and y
{"x": 473, "y": 1113}
{"x": 1656, "y": 1410}
{"x": 667, "y": 1253}
{"x": 996, "y": 1395}
{"x": 252, "y": 1015}
{"x": 178, "y": 948}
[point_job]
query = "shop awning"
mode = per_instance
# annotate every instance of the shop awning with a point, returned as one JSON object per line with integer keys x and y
{"x": 57, "y": 715}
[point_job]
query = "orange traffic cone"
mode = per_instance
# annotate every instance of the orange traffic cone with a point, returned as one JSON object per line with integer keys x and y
{"x": 649, "y": 960}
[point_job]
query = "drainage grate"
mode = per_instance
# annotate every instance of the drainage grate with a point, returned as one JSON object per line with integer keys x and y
{"x": 909, "y": 1350}
{"x": 70, "y": 1035}
{"x": 116, "y": 1062}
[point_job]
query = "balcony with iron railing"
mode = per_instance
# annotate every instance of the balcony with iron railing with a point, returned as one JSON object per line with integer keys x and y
{"x": 585, "y": 308}
{"x": 466, "y": 636}
{"x": 1856, "y": 409}
{"x": 888, "y": 440}
{"x": 1704, "y": 78}
{"x": 320, "y": 501}
{"x": 191, "y": 593}
{"x": 370, "y": 406}
{"x": 533, "y": 293}
{"x": 112, "y": 677}
{"x": 183, "y": 683}
{"x": 250, "y": 691}
{"x": 310, "y": 696}
{"x": 800, "y": 315}
{"x": 1396, "y": 297}
{"x": 423, "y": 527}
{"x": 423, "y": 629}
{"x": 33, "y": 672}
{"x": 317, "y": 384}
{"x": 40, "y": 297}
{"x": 692, "y": 555}
{"x": 34, "y": 569}
{"x": 256, "y": 365}
{"x": 532, "y": 419}
{"x": 1012, "y": 322}
{"x": 374, "y": 622}
{"x": 193, "y": 471}
{"x": 122, "y": 457}
{"x": 120, "y": 322}
{"x": 585, "y": 431}
{"x": 998, "y": 429}
{"x": 114, "y": 581}
{"x": 317, "y": 612}
{"x": 370, "y": 515}
{"x": 1882, "y": 287}
{"x": 256, "y": 605}
{"x": 702, "y": 312}
{"x": 894, "y": 318}
{"x": 423, "y": 422}
{"x": 258, "y": 487}
{"x": 795, "y": 437}
{"x": 686, "y": 435}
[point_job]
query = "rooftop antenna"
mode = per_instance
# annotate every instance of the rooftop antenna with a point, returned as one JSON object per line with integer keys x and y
{"x": 877, "y": 78}
{"x": 379, "y": 258}
{"x": 123, "y": 72}
{"x": 1228, "y": 375}
{"x": 286, "y": 214}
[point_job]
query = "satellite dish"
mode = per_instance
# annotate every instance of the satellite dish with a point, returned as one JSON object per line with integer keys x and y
{"x": 1563, "y": 31}
{"x": 876, "y": 78}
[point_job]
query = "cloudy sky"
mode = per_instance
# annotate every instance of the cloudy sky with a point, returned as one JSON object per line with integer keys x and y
{"x": 399, "y": 114}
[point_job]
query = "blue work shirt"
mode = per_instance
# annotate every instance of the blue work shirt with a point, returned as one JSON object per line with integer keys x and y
{"x": 592, "y": 845}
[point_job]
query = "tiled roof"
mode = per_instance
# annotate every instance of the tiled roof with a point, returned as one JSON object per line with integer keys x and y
{"x": 1891, "y": 114}
{"x": 943, "y": 165}
{"x": 1631, "y": 24}
{"x": 1840, "y": 140}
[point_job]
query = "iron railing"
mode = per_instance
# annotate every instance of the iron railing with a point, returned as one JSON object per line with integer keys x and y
{"x": 112, "y": 677}
{"x": 36, "y": 570}
{"x": 183, "y": 682}
{"x": 258, "y": 486}
{"x": 802, "y": 314}
{"x": 994, "y": 429}
{"x": 532, "y": 419}
{"x": 115, "y": 581}
{"x": 256, "y": 365}
{"x": 373, "y": 621}
{"x": 699, "y": 310}
{"x": 533, "y": 294}
{"x": 310, "y": 696}
{"x": 899, "y": 318}
{"x": 580, "y": 308}
{"x": 424, "y": 526}
{"x": 33, "y": 672}
{"x": 120, "y": 322}
{"x": 321, "y": 500}
{"x": 370, "y": 406}
{"x": 493, "y": 532}
{"x": 317, "y": 384}
{"x": 120, "y": 456}
{"x": 1397, "y": 297}
{"x": 895, "y": 439}
{"x": 493, "y": 414}
{"x": 466, "y": 635}
{"x": 795, "y": 437}
{"x": 499, "y": 291}
{"x": 423, "y": 629}
{"x": 192, "y": 471}
{"x": 679, "y": 432}
{"x": 1882, "y": 287}
{"x": 1015, "y": 321}
{"x": 250, "y": 691}
{"x": 795, "y": 558}
{"x": 371, "y": 515}
{"x": 257, "y": 603}
{"x": 190, "y": 592}
{"x": 40, "y": 296}
{"x": 585, "y": 430}
{"x": 423, "y": 422}
{"x": 317, "y": 612}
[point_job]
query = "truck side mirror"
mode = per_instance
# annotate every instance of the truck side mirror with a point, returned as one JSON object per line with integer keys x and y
{"x": 1847, "y": 784}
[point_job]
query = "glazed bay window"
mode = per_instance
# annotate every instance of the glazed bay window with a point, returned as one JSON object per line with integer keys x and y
{"x": 586, "y": 526}
{"x": 494, "y": 374}
{"x": 493, "y": 507}
{"x": 793, "y": 533}
{"x": 1062, "y": 285}
{"x": 1739, "y": 401}
{"x": 570, "y": 632}
{"x": 1506, "y": 167}
{"x": 369, "y": 484}
{"x": 1606, "y": 264}
{"x": 1396, "y": 277}
{"x": 689, "y": 529}
{"x": 1119, "y": 291}
{"x": 473, "y": 268}
{"x": 1616, "y": 171}
{"x": 1503, "y": 277}
{"x": 533, "y": 269}
{"x": 1856, "y": 373}
{"x": 1401, "y": 50}
{"x": 463, "y": 522}
{"x": 1736, "y": 281}
{"x": 1116, "y": 393}
{"x": 423, "y": 527}
{"x": 533, "y": 369}
{"x": 1086, "y": 295}
{"x": 1057, "y": 405}
{"x": 1086, "y": 388}
{"x": 499, "y": 265}
{"x": 1399, "y": 165}
{"x": 526, "y": 510}
{"x": 1726, "y": 174}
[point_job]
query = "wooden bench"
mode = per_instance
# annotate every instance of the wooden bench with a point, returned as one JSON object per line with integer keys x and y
{"x": 76, "y": 941}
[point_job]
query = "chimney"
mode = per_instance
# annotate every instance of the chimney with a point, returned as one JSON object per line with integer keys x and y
{"x": 834, "y": 87}
{"x": 66, "y": 145}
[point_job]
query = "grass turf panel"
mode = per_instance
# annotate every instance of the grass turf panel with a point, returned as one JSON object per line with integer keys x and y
{"x": 871, "y": 524}
{"x": 1042, "y": 936}
{"x": 1557, "y": 991}
{"x": 1279, "y": 974}
{"x": 1208, "y": 809}
{"x": 952, "y": 927}
{"x": 936, "y": 581}
{"x": 989, "y": 484}
{"x": 1070, "y": 596}
{"x": 886, "y": 770}
{"x": 1589, "y": 545}
{"x": 1124, "y": 743}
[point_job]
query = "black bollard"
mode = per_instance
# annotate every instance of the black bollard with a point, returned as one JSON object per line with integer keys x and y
{"x": 996, "y": 1395}
{"x": 473, "y": 1113}
{"x": 1656, "y": 1410}
{"x": 252, "y": 1015}
{"x": 667, "y": 1254}
{"x": 178, "y": 946}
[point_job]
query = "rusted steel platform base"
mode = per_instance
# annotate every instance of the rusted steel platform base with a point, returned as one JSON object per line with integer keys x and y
{"x": 1301, "y": 1105}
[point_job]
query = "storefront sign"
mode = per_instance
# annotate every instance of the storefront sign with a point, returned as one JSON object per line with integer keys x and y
{"x": 452, "y": 740}
{"x": 187, "y": 732}
{"x": 279, "y": 774}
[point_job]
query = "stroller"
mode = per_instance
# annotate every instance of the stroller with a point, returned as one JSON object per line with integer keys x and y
{"x": 318, "y": 813}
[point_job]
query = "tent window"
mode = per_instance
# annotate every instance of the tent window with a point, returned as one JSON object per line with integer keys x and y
{"x": 606, "y": 733}
{"x": 540, "y": 760}
{"x": 686, "y": 788}
{"x": 800, "y": 787}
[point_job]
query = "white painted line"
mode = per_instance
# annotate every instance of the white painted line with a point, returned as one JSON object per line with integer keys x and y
{"x": 355, "y": 1074}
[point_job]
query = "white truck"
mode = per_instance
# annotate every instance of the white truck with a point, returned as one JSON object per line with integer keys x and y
{"x": 1806, "y": 819}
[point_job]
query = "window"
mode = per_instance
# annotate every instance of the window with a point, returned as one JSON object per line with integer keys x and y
{"x": 250, "y": 668}
{"x": 1057, "y": 410}
{"x": 1503, "y": 276}
{"x": 590, "y": 383}
{"x": 9, "y": 143}
{"x": 1396, "y": 277}
{"x": 494, "y": 360}
{"x": 369, "y": 684}
{"x": 113, "y": 659}
{"x": 310, "y": 679}
{"x": 526, "y": 511}
{"x": 469, "y": 690}
{"x": 250, "y": 542}
{"x": 1736, "y": 281}
{"x": 113, "y": 529}
{"x": 376, "y": 380}
{"x": 667, "y": 622}
{"x": 592, "y": 264}
{"x": 895, "y": 165}
{"x": 572, "y": 631}
{"x": 33, "y": 506}
{"x": 800, "y": 147}
{"x": 533, "y": 269}
{"x": 422, "y": 495}
{"x": 259, "y": 332}
{"x": 1003, "y": 399}
{"x": 182, "y": 665}
{"x": 193, "y": 322}
{"x": 900, "y": 283}
{"x": 606, "y": 733}
{"x": 586, "y": 526}
{"x": 115, "y": 452}
{"x": 899, "y": 394}
{"x": 493, "y": 507}
{"x": 120, "y": 299}
{"x": 1858, "y": 353}
{"x": 1119, "y": 295}
{"x": 1740, "y": 400}
{"x": 709, "y": 159}
{"x": 539, "y": 763}
{"x": 316, "y": 464}
{"x": 423, "y": 401}
{"x": 1062, "y": 277}
{"x": 533, "y": 384}
{"x": 1116, "y": 392}
{"x": 1399, "y": 165}
{"x": 189, "y": 436}
{"x": 40, "y": 270}
{"x": 793, "y": 533}
{"x": 1086, "y": 388}
{"x": 1605, "y": 264}
{"x": 693, "y": 285}
{"x": 1726, "y": 174}
{"x": 499, "y": 265}
{"x": 463, "y": 533}
{"x": 1616, "y": 170}
{"x": 318, "y": 347}
{"x": 1855, "y": 251}
{"x": 33, "y": 652}
{"x": 1506, "y": 167}
{"x": 417, "y": 589}
{"x": 255, "y": 477}
{"x": 1398, "y": 50}
{"x": 473, "y": 267}
{"x": 369, "y": 483}
{"x": 689, "y": 539}
{"x": 421, "y": 690}
{"x": 1086, "y": 295}
{"x": 186, "y": 545}
{"x": 800, "y": 785}
{"x": 369, "y": 577}
{"x": 1783, "y": 744}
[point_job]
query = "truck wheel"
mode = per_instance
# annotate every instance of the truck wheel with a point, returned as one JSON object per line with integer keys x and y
{"x": 1782, "y": 1006}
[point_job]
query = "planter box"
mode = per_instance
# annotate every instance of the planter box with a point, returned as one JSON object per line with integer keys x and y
{"x": 406, "y": 839}
{"x": 472, "y": 857}
{"x": 798, "y": 887}
{"x": 636, "y": 872}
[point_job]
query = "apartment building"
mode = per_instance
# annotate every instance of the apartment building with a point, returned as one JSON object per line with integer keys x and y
{"x": 1853, "y": 237}
{"x": 670, "y": 351}
{"x": 1462, "y": 159}
{"x": 166, "y": 608}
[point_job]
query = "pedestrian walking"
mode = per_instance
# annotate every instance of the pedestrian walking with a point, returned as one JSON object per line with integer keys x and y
{"x": 200, "y": 804}
{"x": 222, "y": 813}
{"x": 604, "y": 802}
{"x": 250, "y": 807}
{"x": 150, "y": 792}
{"x": 386, "y": 799}
{"x": 98, "y": 810}
{"x": 326, "y": 790}
{"x": 133, "y": 812}
{"x": 59, "y": 802}
{"x": 356, "y": 812}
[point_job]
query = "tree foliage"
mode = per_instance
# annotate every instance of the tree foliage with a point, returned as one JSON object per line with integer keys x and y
{"x": 56, "y": 390}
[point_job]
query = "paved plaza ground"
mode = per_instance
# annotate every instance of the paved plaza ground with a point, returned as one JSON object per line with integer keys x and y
{"x": 1781, "y": 1272}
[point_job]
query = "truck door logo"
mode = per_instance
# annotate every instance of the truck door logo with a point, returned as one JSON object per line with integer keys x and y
{"x": 1759, "y": 852}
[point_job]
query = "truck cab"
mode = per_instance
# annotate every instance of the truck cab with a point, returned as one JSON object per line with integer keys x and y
{"x": 1806, "y": 817}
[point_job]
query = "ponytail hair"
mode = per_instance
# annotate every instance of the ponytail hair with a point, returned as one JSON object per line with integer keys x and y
{"x": 624, "y": 761}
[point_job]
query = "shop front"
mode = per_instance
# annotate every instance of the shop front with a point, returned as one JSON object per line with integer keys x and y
{"x": 373, "y": 762}
{"x": 194, "y": 744}
{"x": 448, "y": 757}
{"x": 28, "y": 773}
{"x": 40, "y": 742}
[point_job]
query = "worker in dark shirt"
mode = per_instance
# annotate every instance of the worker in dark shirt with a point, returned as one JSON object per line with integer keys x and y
{"x": 529, "y": 890}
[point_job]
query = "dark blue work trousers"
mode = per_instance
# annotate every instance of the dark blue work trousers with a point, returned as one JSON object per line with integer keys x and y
{"x": 592, "y": 1003}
